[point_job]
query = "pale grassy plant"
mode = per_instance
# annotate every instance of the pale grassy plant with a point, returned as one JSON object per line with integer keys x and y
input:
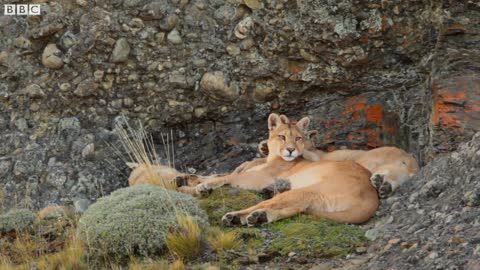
{"x": 177, "y": 265}
{"x": 71, "y": 257}
{"x": 185, "y": 243}
{"x": 223, "y": 241}
{"x": 140, "y": 148}
{"x": 136, "y": 264}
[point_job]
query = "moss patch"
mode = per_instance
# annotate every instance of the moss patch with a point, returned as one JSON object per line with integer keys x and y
{"x": 227, "y": 199}
{"x": 308, "y": 235}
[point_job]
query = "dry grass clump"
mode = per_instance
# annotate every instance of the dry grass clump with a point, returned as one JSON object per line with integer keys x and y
{"x": 71, "y": 257}
{"x": 177, "y": 265}
{"x": 222, "y": 241}
{"x": 49, "y": 245}
{"x": 185, "y": 242}
{"x": 139, "y": 146}
{"x": 136, "y": 264}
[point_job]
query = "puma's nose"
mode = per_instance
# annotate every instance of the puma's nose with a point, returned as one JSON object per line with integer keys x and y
{"x": 290, "y": 150}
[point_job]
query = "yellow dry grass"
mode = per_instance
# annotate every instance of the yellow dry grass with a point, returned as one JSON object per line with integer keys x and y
{"x": 177, "y": 265}
{"x": 139, "y": 146}
{"x": 223, "y": 241}
{"x": 71, "y": 257}
{"x": 185, "y": 243}
{"x": 136, "y": 264}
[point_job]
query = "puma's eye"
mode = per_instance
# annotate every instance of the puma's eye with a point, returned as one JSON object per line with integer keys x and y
{"x": 298, "y": 139}
{"x": 281, "y": 137}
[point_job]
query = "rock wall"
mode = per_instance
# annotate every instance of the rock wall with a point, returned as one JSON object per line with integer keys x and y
{"x": 433, "y": 222}
{"x": 369, "y": 73}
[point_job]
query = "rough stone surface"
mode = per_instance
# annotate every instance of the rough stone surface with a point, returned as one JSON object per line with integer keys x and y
{"x": 51, "y": 57}
{"x": 368, "y": 73}
{"x": 430, "y": 223}
{"x": 120, "y": 51}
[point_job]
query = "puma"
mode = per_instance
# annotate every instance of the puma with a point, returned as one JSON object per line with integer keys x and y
{"x": 336, "y": 190}
{"x": 390, "y": 166}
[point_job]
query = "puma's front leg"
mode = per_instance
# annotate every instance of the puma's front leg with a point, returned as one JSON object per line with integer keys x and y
{"x": 253, "y": 180}
{"x": 205, "y": 187}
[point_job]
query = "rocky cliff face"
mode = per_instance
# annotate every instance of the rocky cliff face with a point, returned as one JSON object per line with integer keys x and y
{"x": 433, "y": 222}
{"x": 369, "y": 73}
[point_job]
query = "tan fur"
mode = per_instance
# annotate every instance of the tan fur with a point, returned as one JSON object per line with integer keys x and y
{"x": 140, "y": 173}
{"x": 392, "y": 164}
{"x": 337, "y": 190}
{"x": 50, "y": 210}
{"x": 248, "y": 165}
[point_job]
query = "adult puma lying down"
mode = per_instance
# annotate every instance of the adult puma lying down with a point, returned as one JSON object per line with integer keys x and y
{"x": 390, "y": 166}
{"x": 337, "y": 190}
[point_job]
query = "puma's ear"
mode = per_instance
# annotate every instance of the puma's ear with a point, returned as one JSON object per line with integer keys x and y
{"x": 273, "y": 121}
{"x": 284, "y": 119}
{"x": 311, "y": 134}
{"x": 263, "y": 147}
{"x": 303, "y": 124}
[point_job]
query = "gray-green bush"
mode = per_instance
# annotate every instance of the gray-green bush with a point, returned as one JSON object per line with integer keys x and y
{"x": 16, "y": 220}
{"x": 134, "y": 221}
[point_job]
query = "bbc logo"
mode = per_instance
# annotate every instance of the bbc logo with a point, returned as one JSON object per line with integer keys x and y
{"x": 22, "y": 10}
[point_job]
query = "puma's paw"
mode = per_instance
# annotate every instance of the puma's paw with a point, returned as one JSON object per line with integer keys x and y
{"x": 376, "y": 180}
{"x": 263, "y": 147}
{"x": 256, "y": 218}
{"x": 385, "y": 190}
{"x": 181, "y": 180}
{"x": 187, "y": 180}
{"x": 203, "y": 189}
{"x": 230, "y": 219}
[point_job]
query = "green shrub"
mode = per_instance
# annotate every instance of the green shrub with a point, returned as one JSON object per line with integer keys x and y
{"x": 134, "y": 221}
{"x": 16, "y": 220}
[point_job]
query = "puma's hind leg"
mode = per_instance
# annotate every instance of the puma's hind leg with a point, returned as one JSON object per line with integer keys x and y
{"x": 282, "y": 206}
{"x": 388, "y": 177}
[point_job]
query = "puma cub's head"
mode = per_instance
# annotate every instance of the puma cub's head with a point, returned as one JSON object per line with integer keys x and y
{"x": 309, "y": 143}
{"x": 286, "y": 139}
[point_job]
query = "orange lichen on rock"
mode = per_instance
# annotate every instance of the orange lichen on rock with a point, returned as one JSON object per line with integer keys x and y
{"x": 454, "y": 100}
{"x": 374, "y": 114}
{"x": 294, "y": 68}
{"x": 373, "y": 137}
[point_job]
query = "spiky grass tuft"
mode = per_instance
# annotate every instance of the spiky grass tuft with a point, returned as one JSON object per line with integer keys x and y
{"x": 136, "y": 264}
{"x": 139, "y": 146}
{"x": 71, "y": 257}
{"x": 223, "y": 241}
{"x": 185, "y": 243}
{"x": 177, "y": 265}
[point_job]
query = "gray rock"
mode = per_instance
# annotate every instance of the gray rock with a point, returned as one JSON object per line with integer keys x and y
{"x": 217, "y": 86}
{"x": 174, "y": 37}
{"x": 52, "y": 57}
{"x": 21, "y": 124}
{"x": 81, "y": 205}
{"x": 22, "y": 43}
{"x": 34, "y": 91}
{"x": 121, "y": 51}
{"x": 71, "y": 123}
{"x": 472, "y": 198}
